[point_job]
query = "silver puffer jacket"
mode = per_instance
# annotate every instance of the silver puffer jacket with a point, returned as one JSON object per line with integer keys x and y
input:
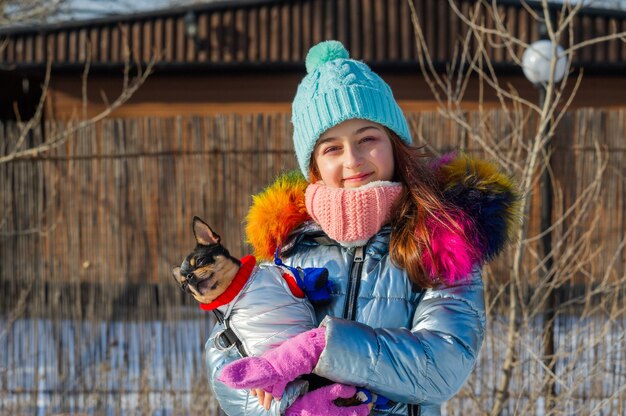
{"x": 409, "y": 345}
{"x": 414, "y": 346}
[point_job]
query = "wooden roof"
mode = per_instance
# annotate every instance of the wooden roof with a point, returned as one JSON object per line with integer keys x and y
{"x": 251, "y": 33}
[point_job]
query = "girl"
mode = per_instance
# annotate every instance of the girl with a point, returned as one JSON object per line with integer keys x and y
{"x": 403, "y": 238}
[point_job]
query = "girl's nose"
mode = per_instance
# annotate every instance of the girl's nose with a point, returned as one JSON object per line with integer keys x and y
{"x": 352, "y": 157}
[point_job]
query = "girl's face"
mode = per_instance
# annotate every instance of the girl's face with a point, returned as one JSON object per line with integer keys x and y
{"x": 354, "y": 153}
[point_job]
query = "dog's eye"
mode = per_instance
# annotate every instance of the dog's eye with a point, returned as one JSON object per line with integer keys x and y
{"x": 200, "y": 263}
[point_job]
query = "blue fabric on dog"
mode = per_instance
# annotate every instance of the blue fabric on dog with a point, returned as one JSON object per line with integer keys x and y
{"x": 313, "y": 281}
{"x": 366, "y": 397}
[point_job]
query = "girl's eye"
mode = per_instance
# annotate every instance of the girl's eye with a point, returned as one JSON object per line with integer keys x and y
{"x": 368, "y": 139}
{"x": 330, "y": 149}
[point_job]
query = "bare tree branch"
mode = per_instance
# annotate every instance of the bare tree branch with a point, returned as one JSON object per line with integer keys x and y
{"x": 524, "y": 151}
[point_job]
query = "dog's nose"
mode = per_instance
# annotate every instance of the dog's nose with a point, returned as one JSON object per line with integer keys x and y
{"x": 190, "y": 276}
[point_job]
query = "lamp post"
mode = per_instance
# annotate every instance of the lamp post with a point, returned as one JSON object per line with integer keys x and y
{"x": 191, "y": 26}
{"x": 536, "y": 64}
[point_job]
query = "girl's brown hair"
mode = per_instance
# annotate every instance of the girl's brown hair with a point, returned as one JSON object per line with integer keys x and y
{"x": 419, "y": 203}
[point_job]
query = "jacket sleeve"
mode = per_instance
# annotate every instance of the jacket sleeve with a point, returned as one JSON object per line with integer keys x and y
{"x": 427, "y": 364}
{"x": 240, "y": 402}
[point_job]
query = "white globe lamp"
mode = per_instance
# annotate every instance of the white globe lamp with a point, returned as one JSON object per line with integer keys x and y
{"x": 536, "y": 62}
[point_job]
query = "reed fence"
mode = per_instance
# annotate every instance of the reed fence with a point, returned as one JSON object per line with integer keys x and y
{"x": 91, "y": 320}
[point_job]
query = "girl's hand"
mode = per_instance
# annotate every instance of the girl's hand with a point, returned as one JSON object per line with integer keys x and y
{"x": 265, "y": 398}
{"x": 276, "y": 367}
{"x": 322, "y": 402}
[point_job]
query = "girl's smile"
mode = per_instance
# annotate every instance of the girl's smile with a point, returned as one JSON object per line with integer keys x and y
{"x": 354, "y": 153}
{"x": 358, "y": 177}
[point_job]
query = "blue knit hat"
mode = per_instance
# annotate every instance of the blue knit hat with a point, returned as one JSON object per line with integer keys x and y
{"x": 337, "y": 89}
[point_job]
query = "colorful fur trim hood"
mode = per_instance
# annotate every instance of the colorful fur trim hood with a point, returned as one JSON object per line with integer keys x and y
{"x": 486, "y": 205}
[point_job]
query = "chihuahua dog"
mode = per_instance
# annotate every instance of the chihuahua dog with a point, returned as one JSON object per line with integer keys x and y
{"x": 209, "y": 269}
{"x": 258, "y": 305}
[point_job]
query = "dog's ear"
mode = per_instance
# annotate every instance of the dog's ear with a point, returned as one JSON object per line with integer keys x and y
{"x": 204, "y": 234}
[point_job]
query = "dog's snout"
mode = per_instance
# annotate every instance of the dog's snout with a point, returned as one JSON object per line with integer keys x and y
{"x": 191, "y": 276}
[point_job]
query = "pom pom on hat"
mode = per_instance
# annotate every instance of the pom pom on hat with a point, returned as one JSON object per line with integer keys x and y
{"x": 325, "y": 52}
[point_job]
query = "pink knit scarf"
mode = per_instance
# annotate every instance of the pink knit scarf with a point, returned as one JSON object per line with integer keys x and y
{"x": 351, "y": 216}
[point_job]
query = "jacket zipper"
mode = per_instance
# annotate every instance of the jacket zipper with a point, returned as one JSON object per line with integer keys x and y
{"x": 415, "y": 410}
{"x": 349, "y": 310}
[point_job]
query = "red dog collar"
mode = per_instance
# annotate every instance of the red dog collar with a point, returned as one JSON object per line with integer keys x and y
{"x": 247, "y": 264}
